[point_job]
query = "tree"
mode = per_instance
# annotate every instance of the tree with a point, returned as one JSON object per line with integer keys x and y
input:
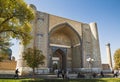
{"x": 4, "y": 54}
{"x": 5, "y": 51}
{"x": 15, "y": 17}
{"x": 34, "y": 58}
{"x": 117, "y": 59}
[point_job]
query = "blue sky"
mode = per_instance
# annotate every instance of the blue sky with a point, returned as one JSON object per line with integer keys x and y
{"x": 105, "y": 12}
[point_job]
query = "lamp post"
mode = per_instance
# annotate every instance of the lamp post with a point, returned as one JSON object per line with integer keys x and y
{"x": 90, "y": 61}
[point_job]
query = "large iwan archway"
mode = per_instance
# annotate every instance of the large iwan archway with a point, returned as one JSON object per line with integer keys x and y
{"x": 65, "y": 45}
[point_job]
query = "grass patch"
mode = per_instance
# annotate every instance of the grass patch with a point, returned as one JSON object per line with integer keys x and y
{"x": 17, "y": 80}
{"x": 60, "y": 80}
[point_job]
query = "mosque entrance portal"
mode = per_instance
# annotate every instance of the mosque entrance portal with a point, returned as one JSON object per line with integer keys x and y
{"x": 59, "y": 59}
{"x": 65, "y": 47}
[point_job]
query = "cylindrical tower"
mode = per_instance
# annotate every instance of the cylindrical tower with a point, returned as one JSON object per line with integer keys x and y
{"x": 109, "y": 55}
{"x": 95, "y": 46}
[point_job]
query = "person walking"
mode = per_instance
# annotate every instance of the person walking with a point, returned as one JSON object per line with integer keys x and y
{"x": 63, "y": 74}
{"x": 115, "y": 73}
{"x": 101, "y": 74}
{"x": 16, "y": 74}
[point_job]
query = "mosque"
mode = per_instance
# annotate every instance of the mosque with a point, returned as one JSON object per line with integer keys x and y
{"x": 68, "y": 44}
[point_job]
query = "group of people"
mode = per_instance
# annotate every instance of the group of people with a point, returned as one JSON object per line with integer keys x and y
{"x": 114, "y": 72}
{"x": 63, "y": 73}
{"x": 101, "y": 74}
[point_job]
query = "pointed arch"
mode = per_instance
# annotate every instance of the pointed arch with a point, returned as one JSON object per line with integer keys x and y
{"x": 62, "y": 25}
{"x": 65, "y": 36}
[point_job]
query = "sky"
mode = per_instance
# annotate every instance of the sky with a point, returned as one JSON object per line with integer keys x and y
{"x": 106, "y": 13}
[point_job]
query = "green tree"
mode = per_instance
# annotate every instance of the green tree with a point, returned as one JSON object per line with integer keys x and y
{"x": 4, "y": 55}
{"x": 5, "y": 43}
{"x": 4, "y": 49}
{"x": 34, "y": 58}
{"x": 117, "y": 59}
{"x": 15, "y": 17}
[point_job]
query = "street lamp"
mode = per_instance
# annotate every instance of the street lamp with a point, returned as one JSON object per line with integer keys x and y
{"x": 90, "y": 61}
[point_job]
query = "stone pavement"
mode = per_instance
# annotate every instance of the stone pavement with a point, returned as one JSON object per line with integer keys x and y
{"x": 29, "y": 76}
{"x": 51, "y": 76}
{"x": 44, "y": 76}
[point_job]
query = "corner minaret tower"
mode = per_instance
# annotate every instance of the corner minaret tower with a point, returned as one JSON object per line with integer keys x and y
{"x": 109, "y": 55}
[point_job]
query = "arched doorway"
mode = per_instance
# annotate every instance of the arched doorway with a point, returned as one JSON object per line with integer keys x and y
{"x": 64, "y": 36}
{"x": 59, "y": 59}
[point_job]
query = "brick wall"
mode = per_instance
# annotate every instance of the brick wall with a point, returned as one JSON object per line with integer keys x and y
{"x": 8, "y": 65}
